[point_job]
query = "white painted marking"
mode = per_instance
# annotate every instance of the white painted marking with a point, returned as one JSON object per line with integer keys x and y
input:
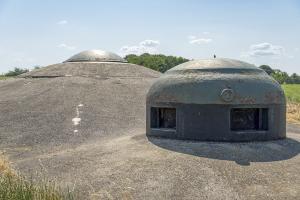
{"x": 76, "y": 121}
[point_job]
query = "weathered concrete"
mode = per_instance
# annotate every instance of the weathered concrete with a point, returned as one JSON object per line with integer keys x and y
{"x": 132, "y": 166}
{"x": 109, "y": 156}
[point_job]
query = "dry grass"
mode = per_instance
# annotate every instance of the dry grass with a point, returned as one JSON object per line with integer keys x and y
{"x": 5, "y": 168}
{"x": 293, "y": 112}
{"x": 15, "y": 187}
{"x": 292, "y": 93}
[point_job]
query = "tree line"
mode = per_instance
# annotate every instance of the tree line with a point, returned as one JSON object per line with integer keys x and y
{"x": 162, "y": 63}
{"x": 280, "y": 76}
{"x": 157, "y": 62}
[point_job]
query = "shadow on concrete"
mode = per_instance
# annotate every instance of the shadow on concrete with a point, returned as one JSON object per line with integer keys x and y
{"x": 241, "y": 153}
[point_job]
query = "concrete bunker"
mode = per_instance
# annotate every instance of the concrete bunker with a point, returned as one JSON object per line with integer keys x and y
{"x": 216, "y": 100}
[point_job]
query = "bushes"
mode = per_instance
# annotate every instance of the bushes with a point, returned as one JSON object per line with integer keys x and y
{"x": 157, "y": 62}
{"x": 17, "y": 71}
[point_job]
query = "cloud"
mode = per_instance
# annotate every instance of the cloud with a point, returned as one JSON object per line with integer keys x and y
{"x": 149, "y": 43}
{"x": 264, "y": 49}
{"x": 62, "y": 22}
{"x": 206, "y": 33}
{"x": 146, "y": 46}
{"x": 199, "y": 41}
{"x": 133, "y": 50}
{"x": 65, "y": 46}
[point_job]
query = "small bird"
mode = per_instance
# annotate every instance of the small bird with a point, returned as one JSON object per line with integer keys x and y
{"x": 215, "y": 56}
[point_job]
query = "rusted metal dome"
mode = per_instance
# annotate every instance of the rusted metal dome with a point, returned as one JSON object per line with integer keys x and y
{"x": 96, "y": 56}
{"x": 216, "y": 99}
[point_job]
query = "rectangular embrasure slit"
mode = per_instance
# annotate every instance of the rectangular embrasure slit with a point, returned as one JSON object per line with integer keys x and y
{"x": 242, "y": 119}
{"x": 164, "y": 118}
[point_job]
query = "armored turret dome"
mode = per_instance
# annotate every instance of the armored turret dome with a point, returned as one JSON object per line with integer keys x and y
{"x": 96, "y": 56}
{"x": 92, "y": 63}
{"x": 216, "y": 81}
{"x": 216, "y": 99}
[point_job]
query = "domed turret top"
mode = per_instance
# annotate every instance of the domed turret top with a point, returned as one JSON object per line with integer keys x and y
{"x": 95, "y": 56}
{"x": 215, "y": 65}
{"x": 202, "y": 82}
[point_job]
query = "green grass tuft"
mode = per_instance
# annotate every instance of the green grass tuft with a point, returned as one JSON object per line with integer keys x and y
{"x": 292, "y": 92}
{"x": 17, "y": 188}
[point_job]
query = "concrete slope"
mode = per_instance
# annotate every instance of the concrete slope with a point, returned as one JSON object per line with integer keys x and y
{"x": 93, "y": 101}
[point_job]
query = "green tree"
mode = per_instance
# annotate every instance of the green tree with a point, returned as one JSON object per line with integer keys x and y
{"x": 17, "y": 71}
{"x": 280, "y": 77}
{"x": 267, "y": 69}
{"x": 295, "y": 79}
{"x": 157, "y": 62}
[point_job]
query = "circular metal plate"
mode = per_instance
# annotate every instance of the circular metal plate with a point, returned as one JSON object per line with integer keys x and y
{"x": 227, "y": 95}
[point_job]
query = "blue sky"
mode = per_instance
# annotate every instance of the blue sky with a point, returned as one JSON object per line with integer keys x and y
{"x": 35, "y": 32}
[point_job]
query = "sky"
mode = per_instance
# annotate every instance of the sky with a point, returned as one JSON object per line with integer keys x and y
{"x": 39, "y": 33}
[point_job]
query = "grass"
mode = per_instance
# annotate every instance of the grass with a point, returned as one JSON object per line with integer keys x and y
{"x": 292, "y": 92}
{"x": 2, "y": 77}
{"x": 15, "y": 187}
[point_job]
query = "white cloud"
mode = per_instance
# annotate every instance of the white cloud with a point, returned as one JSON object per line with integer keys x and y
{"x": 206, "y": 33}
{"x": 62, "y": 22}
{"x": 133, "y": 50}
{"x": 199, "y": 41}
{"x": 146, "y": 46}
{"x": 149, "y": 43}
{"x": 65, "y": 46}
{"x": 264, "y": 49}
